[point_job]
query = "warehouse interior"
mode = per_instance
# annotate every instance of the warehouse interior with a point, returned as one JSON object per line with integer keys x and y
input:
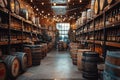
{"x": 59, "y": 39}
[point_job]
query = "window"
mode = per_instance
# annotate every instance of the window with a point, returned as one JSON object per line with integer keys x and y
{"x": 63, "y": 31}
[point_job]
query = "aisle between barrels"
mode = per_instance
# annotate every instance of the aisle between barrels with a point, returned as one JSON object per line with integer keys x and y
{"x": 56, "y": 66}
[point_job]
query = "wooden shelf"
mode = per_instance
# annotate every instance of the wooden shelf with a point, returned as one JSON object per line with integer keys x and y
{"x": 16, "y": 16}
{"x": 114, "y": 44}
{"x": 99, "y": 28}
{"x": 90, "y": 41}
{"x": 15, "y": 41}
{"x": 113, "y": 25}
{"x": 4, "y": 10}
{"x": 3, "y": 26}
{"x": 98, "y": 42}
{"x": 26, "y": 31}
{"x": 15, "y": 29}
{"x": 4, "y": 43}
{"x": 27, "y": 21}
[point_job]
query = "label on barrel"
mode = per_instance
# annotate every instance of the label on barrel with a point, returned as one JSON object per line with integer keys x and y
{"x": 15, "y": 67}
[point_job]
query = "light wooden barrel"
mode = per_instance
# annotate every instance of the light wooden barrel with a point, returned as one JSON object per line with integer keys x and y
{"x": 37, "y": 21}
{"x": 2, "y": 70}
{"x": 79, "y": 57}
{"x": 112, "y": 66}
{"x": 89, "y": 14}
{"x": 74, "y": 56}
{"x": 84, "y": 17}
{"x": 103, "y": 4}
{"x": 96, "y": 7}
{"x": 27, "y": 50}
{"x": 17, "y": 7}
{"x": 13, "y": 66}
{"x": 22, "y": 57}
{"x": 36, "y": 53}
{"x": 89, "y": 64}
{"x": 24, "y": 13}
{"x": 12, "y": 5}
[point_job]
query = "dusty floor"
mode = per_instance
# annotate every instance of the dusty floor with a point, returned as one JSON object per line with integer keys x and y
{"x": 56, "y": 66}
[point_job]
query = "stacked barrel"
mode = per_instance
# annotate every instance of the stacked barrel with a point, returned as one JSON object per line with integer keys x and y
{"x": 96, "y": 7}
{"x": 16, "y": 6}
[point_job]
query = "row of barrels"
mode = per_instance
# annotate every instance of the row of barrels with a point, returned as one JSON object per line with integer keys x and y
{"x": 87, "y": 62}
{"x": 12, "y": 65}
{"x": 97, "y": 6}
{"x": 14, "y": 7}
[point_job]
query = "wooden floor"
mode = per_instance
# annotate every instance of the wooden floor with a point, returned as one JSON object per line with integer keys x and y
{"x": 56, "y": 66}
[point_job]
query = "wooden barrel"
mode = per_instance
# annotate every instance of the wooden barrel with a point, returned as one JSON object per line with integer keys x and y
{"x": 17, "y": 7}
{"x": 33, "y": 19}
{"x": 96, "y": 7}
{"x": 22, "y": 59}
{"x": 84, "y": 17}
{"x": 27, "y": 50}
{"x": 89, "y": 64}
{"x": 2, "y": 3}
{"x": 11, "y": 5}
{"x": 112, "y": 66}
{"x": 89, "y": 14}
{"x": 13, "y": 65}
{"x": 79, "y": 57}
{"x": 103, "y": 4}
{"x": 2, "y": 70}
{"x": 36, "y": 53}
{"x": 74, "y": 56}
{"x": 24, "y": 13}
{"x": 111, "y": 1}
{"x": 37, "y": 21}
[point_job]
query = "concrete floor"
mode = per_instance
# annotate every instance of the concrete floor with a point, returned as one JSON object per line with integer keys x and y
{"x": 56, "y": 66}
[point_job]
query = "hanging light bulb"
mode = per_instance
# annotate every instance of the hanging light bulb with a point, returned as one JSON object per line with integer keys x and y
{"x": 36, "y": 9}
{"x": 54, "y": 4}
{"x": 42, "y": 3}
{"x": 80, "y": 1}
{"x": 31, "y": 0}
{"x": 68, "y": 0}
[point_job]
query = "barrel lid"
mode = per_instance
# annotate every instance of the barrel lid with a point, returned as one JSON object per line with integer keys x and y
{"x": 90, "y": 53}
{"x": 113, "y": 53}
{"x": 33, "y": 46}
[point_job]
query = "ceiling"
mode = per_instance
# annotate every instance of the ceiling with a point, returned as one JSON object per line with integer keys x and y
{"x": 70, "y": 9}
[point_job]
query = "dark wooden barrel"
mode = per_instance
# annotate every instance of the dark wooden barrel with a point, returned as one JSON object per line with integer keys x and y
{"x": 2, "y": 70}
{"x": 17, "y": 7}
{"x": 22, "y": 59}
{"x": 79, "y": 57}
{"x": 74, "y": 58}
{"x": 112, "y": 66}
{"x": 103, "y": 4}
{"x": 11, "y": 5}
{"x": 89, "y": 65}
{"x": 24, "y": 13}
{"x": 96, "y": 7}
{"x": 27, "y": 50}
{"x": 13, "y": 65}
{"x": 36, "y": 53}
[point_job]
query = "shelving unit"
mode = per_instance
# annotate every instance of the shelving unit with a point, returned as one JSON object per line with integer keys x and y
{"x": 103, "y": 30}
{"x": 16, "y": 30}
